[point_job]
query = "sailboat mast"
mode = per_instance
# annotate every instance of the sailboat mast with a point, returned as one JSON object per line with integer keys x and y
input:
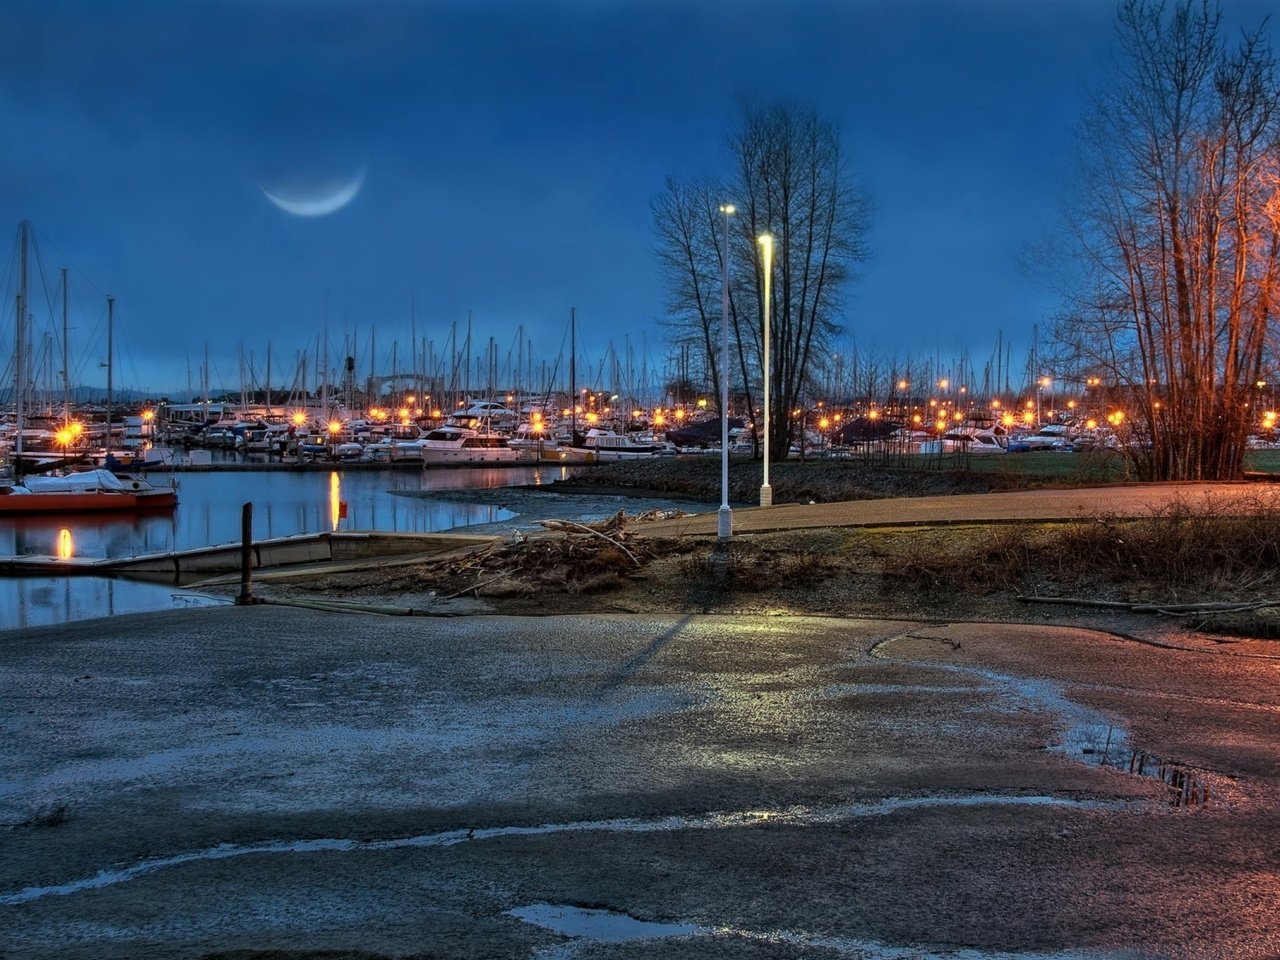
{"x": 111, "y": 319}
{"x": 573, "y": 371}
{"x": 66, "y": 369}
{"x": 20, "y": 345}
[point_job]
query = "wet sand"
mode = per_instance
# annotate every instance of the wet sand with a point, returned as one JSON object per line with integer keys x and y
{"x": 275, "y": 779}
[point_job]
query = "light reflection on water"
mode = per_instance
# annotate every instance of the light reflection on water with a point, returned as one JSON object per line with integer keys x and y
{"x": 285, "y": 502}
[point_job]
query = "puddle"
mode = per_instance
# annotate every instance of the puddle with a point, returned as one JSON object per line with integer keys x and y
{"x": 791, "y": 816}
{"x": 592, "y": 926}
{"x": 1086, "y": 735}
{"x": 600, "y": 926}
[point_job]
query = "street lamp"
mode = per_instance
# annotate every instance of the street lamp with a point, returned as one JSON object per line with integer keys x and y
{"x": 724, "y": 519}
{"x": 766, "y": 245}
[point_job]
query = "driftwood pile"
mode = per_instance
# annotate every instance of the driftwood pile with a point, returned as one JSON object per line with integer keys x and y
{"x": 588, "y": 556}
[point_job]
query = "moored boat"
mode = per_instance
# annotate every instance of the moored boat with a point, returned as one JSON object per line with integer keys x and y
{"x": 449, "y": 444}
{"x": 91, "y": 491}
{"x": 601, "y": 446}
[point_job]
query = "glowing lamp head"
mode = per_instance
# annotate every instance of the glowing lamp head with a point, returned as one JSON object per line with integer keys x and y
{"x": 298, "y": 419}
{"x": 728, "y": 209}
{"x": 148, "y": 415}
{"x": 335, "y": 427}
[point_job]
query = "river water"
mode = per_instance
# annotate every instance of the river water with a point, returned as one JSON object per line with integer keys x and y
{"x": 285, "y": 502}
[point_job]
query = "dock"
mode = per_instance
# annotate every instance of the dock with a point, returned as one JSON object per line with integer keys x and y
{"x": 184, "y": 567}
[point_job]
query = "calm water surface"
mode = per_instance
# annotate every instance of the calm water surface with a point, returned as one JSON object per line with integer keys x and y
{"x": 208, "y": 512}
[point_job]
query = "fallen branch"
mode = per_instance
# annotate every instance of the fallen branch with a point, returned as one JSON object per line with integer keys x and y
{"x": 1077, "y": 602}
{"x": 582, "y": 528}
{"x": 1170, "y": 609}
{"x": 476, "y": 586}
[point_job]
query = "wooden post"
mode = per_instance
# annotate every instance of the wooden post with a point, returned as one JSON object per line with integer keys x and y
{"x": 246, "y": 554}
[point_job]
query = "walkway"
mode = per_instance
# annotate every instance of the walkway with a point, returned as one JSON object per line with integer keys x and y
{"x": 1009, "y": 507}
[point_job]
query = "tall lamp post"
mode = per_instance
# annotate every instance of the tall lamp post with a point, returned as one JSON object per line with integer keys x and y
{"x": 724, "y": 519}
{"x": 766, "y": 245}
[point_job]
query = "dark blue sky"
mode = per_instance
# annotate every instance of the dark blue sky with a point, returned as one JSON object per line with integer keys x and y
{"x": 510, "y": 151}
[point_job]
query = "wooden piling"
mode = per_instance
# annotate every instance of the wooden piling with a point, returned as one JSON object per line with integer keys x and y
{"x": 246, "y": 555}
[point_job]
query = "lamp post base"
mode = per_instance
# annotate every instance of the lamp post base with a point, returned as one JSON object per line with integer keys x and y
{"x": 724, "y": 523}
{"x": 766, "y": 496}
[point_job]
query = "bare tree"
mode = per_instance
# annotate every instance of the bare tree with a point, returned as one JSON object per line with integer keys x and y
{"x": 1179, "y": 227}
{"x": 790, "y": 179}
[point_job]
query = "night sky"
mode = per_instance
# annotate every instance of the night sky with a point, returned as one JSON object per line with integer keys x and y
{"x": 506, "y": 155}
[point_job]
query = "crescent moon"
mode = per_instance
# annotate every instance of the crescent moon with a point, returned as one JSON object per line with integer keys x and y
{"x": 315, "y": 203}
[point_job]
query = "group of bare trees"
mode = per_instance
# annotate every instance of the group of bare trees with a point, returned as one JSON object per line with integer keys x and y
{"x": 1177, "y": 223}
{"x": 1179, "y": 226}
{"x": 789, "y": 180}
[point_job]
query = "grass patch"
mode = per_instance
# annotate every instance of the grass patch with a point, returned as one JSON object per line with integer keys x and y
{"x": 1183, "y": 552}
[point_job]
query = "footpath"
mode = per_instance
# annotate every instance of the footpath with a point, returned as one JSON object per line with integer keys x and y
{"x": 1017, "y": 506}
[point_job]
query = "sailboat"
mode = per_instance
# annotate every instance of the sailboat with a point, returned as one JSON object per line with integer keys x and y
{"x": 88, "y": 491}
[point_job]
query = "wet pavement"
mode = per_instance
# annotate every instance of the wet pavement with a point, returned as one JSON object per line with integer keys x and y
{"x": 610, "y": 787}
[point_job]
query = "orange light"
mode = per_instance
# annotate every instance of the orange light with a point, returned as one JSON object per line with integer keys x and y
{"x": 148, "y": 415}
{"x": 299, "y": 419}
{"x": 335, "y": 427}
{"x": 66, "y": 548}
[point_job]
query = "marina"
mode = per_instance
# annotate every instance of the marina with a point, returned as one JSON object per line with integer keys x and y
{"x": 287, "y": 503}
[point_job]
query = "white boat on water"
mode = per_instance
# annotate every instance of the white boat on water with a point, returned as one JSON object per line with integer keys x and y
{"x": 991, "y": 440}
{"x": 603, "y": 446}
{"x": 450, "y": 444}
